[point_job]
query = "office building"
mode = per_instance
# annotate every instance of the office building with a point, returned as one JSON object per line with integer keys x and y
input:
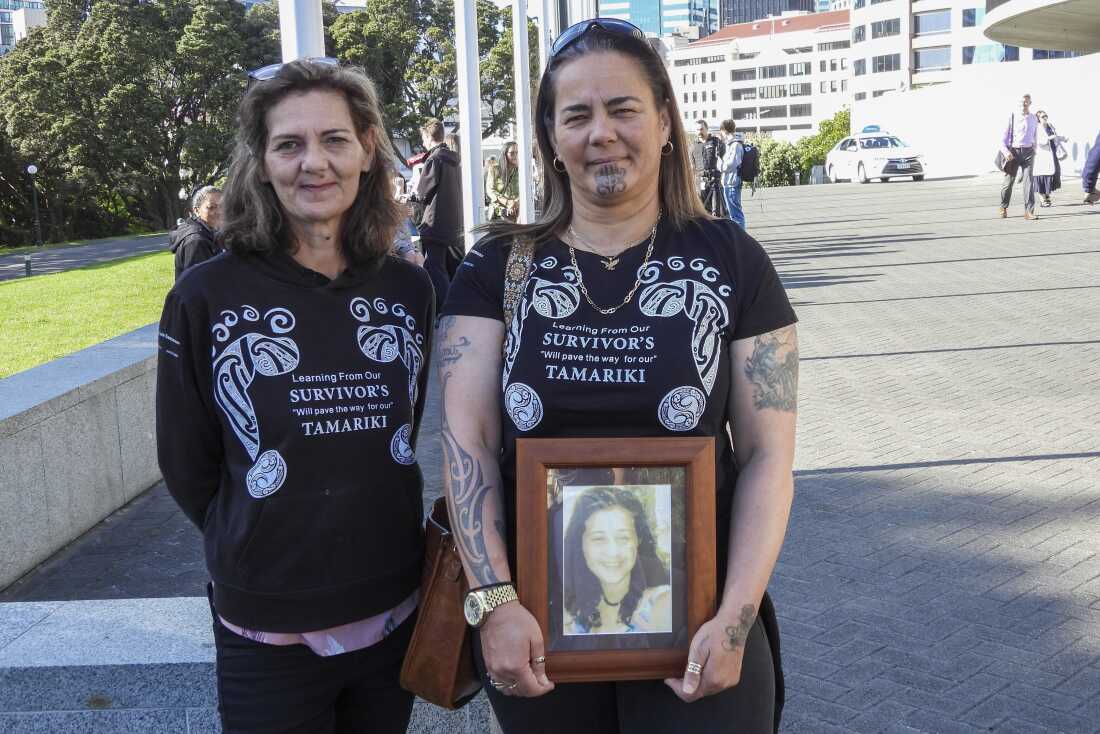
{"x": 16, "y": 18}
{"x": 782, "y": 75}
{"x": 746, "y": 11}
{"x": 663, "y": 17}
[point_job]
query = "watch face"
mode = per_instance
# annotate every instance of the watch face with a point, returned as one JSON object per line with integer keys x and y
{"x": 472, "y": 608}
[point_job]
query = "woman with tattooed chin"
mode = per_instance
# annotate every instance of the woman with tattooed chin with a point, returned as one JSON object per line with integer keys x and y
{"x": 623, "y": 247}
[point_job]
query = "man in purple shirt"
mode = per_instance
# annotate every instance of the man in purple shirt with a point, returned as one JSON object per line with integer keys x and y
{"x": 1018, "y": 145}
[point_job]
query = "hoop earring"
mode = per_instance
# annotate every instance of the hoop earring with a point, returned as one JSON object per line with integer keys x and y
{"x": 671, "y": 148}
{"x": 554, "y": 163}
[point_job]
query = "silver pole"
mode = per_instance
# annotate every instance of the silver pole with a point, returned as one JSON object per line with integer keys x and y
{"x": 469, "y": 114}
{"x": 301, "y": 28}
{"x": 544, "y": 36}
{"x": 523, "y": 109}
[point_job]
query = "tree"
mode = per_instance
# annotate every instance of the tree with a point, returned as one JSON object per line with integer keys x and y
{"x": 778, "y": 163}
{"x": 813, "y": 149}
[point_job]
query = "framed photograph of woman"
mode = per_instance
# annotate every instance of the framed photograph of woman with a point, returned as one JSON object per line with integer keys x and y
{"x": 615, "y": 555}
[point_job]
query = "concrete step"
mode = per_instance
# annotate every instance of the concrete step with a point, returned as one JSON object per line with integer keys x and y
{"x": 133, "y": 665}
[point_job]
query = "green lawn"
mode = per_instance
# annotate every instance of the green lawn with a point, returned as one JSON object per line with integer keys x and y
{"x": 48, "y": 316}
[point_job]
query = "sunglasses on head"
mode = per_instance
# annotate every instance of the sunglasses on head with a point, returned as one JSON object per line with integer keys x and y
{"x": 272, "y": 70}
{"x": 610, "y": 25}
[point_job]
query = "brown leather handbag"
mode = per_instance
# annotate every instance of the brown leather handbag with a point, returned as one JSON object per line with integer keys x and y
{"x": 439, "y": 665}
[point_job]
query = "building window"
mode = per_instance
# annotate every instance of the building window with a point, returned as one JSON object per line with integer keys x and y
{"x": 832, "y": 85}
{"x": 824, "y": 87}
{"x": 743, "y": 113}
{"x": 990, "y": 53}
{"x": 714, "y": 113}
{"x": 844, "y": 62}
{"x": 801, "y": 110}
{"x": 858, "y": 4}
{"x": 859, "y": 33}
{"x": 888, "y": 62}
{"x": 938, "y": 21}
{"x": 876, "y": 2}
{"x": 879, "y": 92}
{"x": 860, "y": 96}
{"x": 844, "y": 85}
{"x": 770, "y": 113}
{"x": 773, "y": 92}
{"x": 713, "y": 76}
{"x": 1040, "y": 54}
{"x": 937, "y": 58}
{"x": 859, "y": 67}
{"x": 822, "y": 66}
{"x": 704, "y": 114}
{"x": 694, "y": 96}
{"x": 973, "y": 17}
{"x": 773, "y": 72}
{"x": 801, "y": 90}
{"x": 802, "y": 127}
{"x": 685, "y": 79}
{"x": 685, "y": 97}
{"x": 834, "y": 45}
{"x": 742, "y": 75}
{"x": 884, "y": 28}
{"x": 802, "y": 68}
{"x": 739, "y": 94}
{"x": 693, "y": 77}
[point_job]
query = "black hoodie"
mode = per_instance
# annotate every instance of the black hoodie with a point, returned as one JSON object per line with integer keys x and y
{"x": 440, "y": 192}
{"x": 288, "y": 407}
{"x": 192, "y": 243}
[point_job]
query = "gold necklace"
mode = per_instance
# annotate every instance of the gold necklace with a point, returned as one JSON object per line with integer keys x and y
{"x": 609, "y": 261}
{"x": 637, "y": 281}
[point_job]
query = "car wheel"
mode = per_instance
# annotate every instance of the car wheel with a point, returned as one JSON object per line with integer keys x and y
{"x": 863, "y": 175}
{"x": 918, "y": 178}
{"x": 885, "y": 179}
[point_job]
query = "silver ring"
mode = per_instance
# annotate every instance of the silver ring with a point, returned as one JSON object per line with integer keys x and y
{"x": 695, "y": 668}
{"x": 539, "y": 660}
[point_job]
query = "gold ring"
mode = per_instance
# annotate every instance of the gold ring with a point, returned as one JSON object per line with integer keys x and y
{"x": 539, "y": 660}
{"x": 695, "y": 668}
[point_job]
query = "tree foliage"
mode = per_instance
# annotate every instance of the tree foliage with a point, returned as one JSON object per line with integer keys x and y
{"x": 778, "y": 162}
{"x": 813, "y": 149}
{"x": 123, "y": 104}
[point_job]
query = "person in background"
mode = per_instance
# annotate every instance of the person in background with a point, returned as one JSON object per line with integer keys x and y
{"x": 1048, "y": 167}
{"x": 503, "y": 194}
{"x": 406, "y": 239}
{"x": 1090, "y": 171}
{"x": 1018, "y": 146}
{"x": 310, "y": 514}
{"x": 439, "y": 192}
{"x": 195, "y": 239}
{"x": 731, "y": 171}
{"x": 706, "y": 154}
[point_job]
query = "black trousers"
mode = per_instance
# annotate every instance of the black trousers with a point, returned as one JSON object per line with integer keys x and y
{"x": 273, "y": 689}
{"x": 441, "y": 260}
{"x": 645, "y": 707}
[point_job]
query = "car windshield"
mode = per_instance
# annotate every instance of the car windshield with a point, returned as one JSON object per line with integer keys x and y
{"x": 886, "y": 141}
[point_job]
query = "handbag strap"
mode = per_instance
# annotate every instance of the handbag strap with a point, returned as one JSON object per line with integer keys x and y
{"x": 515, "y": 276}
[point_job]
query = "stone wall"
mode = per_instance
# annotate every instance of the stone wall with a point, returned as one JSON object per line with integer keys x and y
{"x": 77, "y": 442}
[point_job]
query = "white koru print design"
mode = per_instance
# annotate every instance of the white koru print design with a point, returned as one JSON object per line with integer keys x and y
{"x": 401, "y": 446}
{"x": 682, "y": 408}
{"x": 523, "y": 405}
{"x": 549, "y": 299}
{"x": 236, "y": 366}
{"x": 387, "y": 342}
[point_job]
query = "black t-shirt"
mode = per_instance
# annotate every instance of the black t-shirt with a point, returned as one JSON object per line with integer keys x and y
{"x": 659, "y": 366}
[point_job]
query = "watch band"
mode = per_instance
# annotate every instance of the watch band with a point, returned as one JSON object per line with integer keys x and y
{"x": 494, "y": 596}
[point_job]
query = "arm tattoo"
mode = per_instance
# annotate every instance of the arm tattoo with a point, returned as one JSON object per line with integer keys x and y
{"x": 610, "y": 179}
{"x": 736, "y": 634}
{"x": 773, "y": 370}
{"x": 466, "y": 480}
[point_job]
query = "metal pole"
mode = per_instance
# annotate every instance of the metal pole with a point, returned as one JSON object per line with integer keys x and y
{"x": 523, "y": 109}
{"x": 37, "y": 221}
{"x": 469, "y": 114}
{"x": 302, "y": 29}
{"x": 544, "y": 36}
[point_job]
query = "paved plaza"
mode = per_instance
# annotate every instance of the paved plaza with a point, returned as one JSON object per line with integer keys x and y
{"x": 942, "y": 569}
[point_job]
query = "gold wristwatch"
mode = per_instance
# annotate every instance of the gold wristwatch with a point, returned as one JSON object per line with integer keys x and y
{"x": 479, "y": 602}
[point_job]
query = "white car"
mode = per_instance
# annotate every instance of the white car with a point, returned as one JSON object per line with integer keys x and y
{"x": 873, "y": 155}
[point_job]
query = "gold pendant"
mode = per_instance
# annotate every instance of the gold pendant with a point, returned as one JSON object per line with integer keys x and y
{"x": 610, "y": 262}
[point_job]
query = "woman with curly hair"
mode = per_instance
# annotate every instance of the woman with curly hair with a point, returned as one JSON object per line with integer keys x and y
{"x": 615, "y": 582}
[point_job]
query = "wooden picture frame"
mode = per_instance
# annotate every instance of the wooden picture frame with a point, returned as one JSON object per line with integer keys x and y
{"x": 671, "y": 478}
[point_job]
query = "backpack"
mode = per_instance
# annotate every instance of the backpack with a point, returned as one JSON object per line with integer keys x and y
{"x": 750, "y": 163}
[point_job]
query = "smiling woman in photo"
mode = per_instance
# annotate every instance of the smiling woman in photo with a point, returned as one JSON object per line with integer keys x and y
{"x": 615, "y": 582}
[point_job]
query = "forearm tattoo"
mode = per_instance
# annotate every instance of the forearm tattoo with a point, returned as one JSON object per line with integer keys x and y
{"x": 773, "y": 370}
{"x": 466, "y": 480}
{"x": 610, "y": 179}
{"x": 736, "y": 634}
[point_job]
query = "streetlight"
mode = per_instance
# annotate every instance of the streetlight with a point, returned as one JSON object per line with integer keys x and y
{"x": 33, "y": 170}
